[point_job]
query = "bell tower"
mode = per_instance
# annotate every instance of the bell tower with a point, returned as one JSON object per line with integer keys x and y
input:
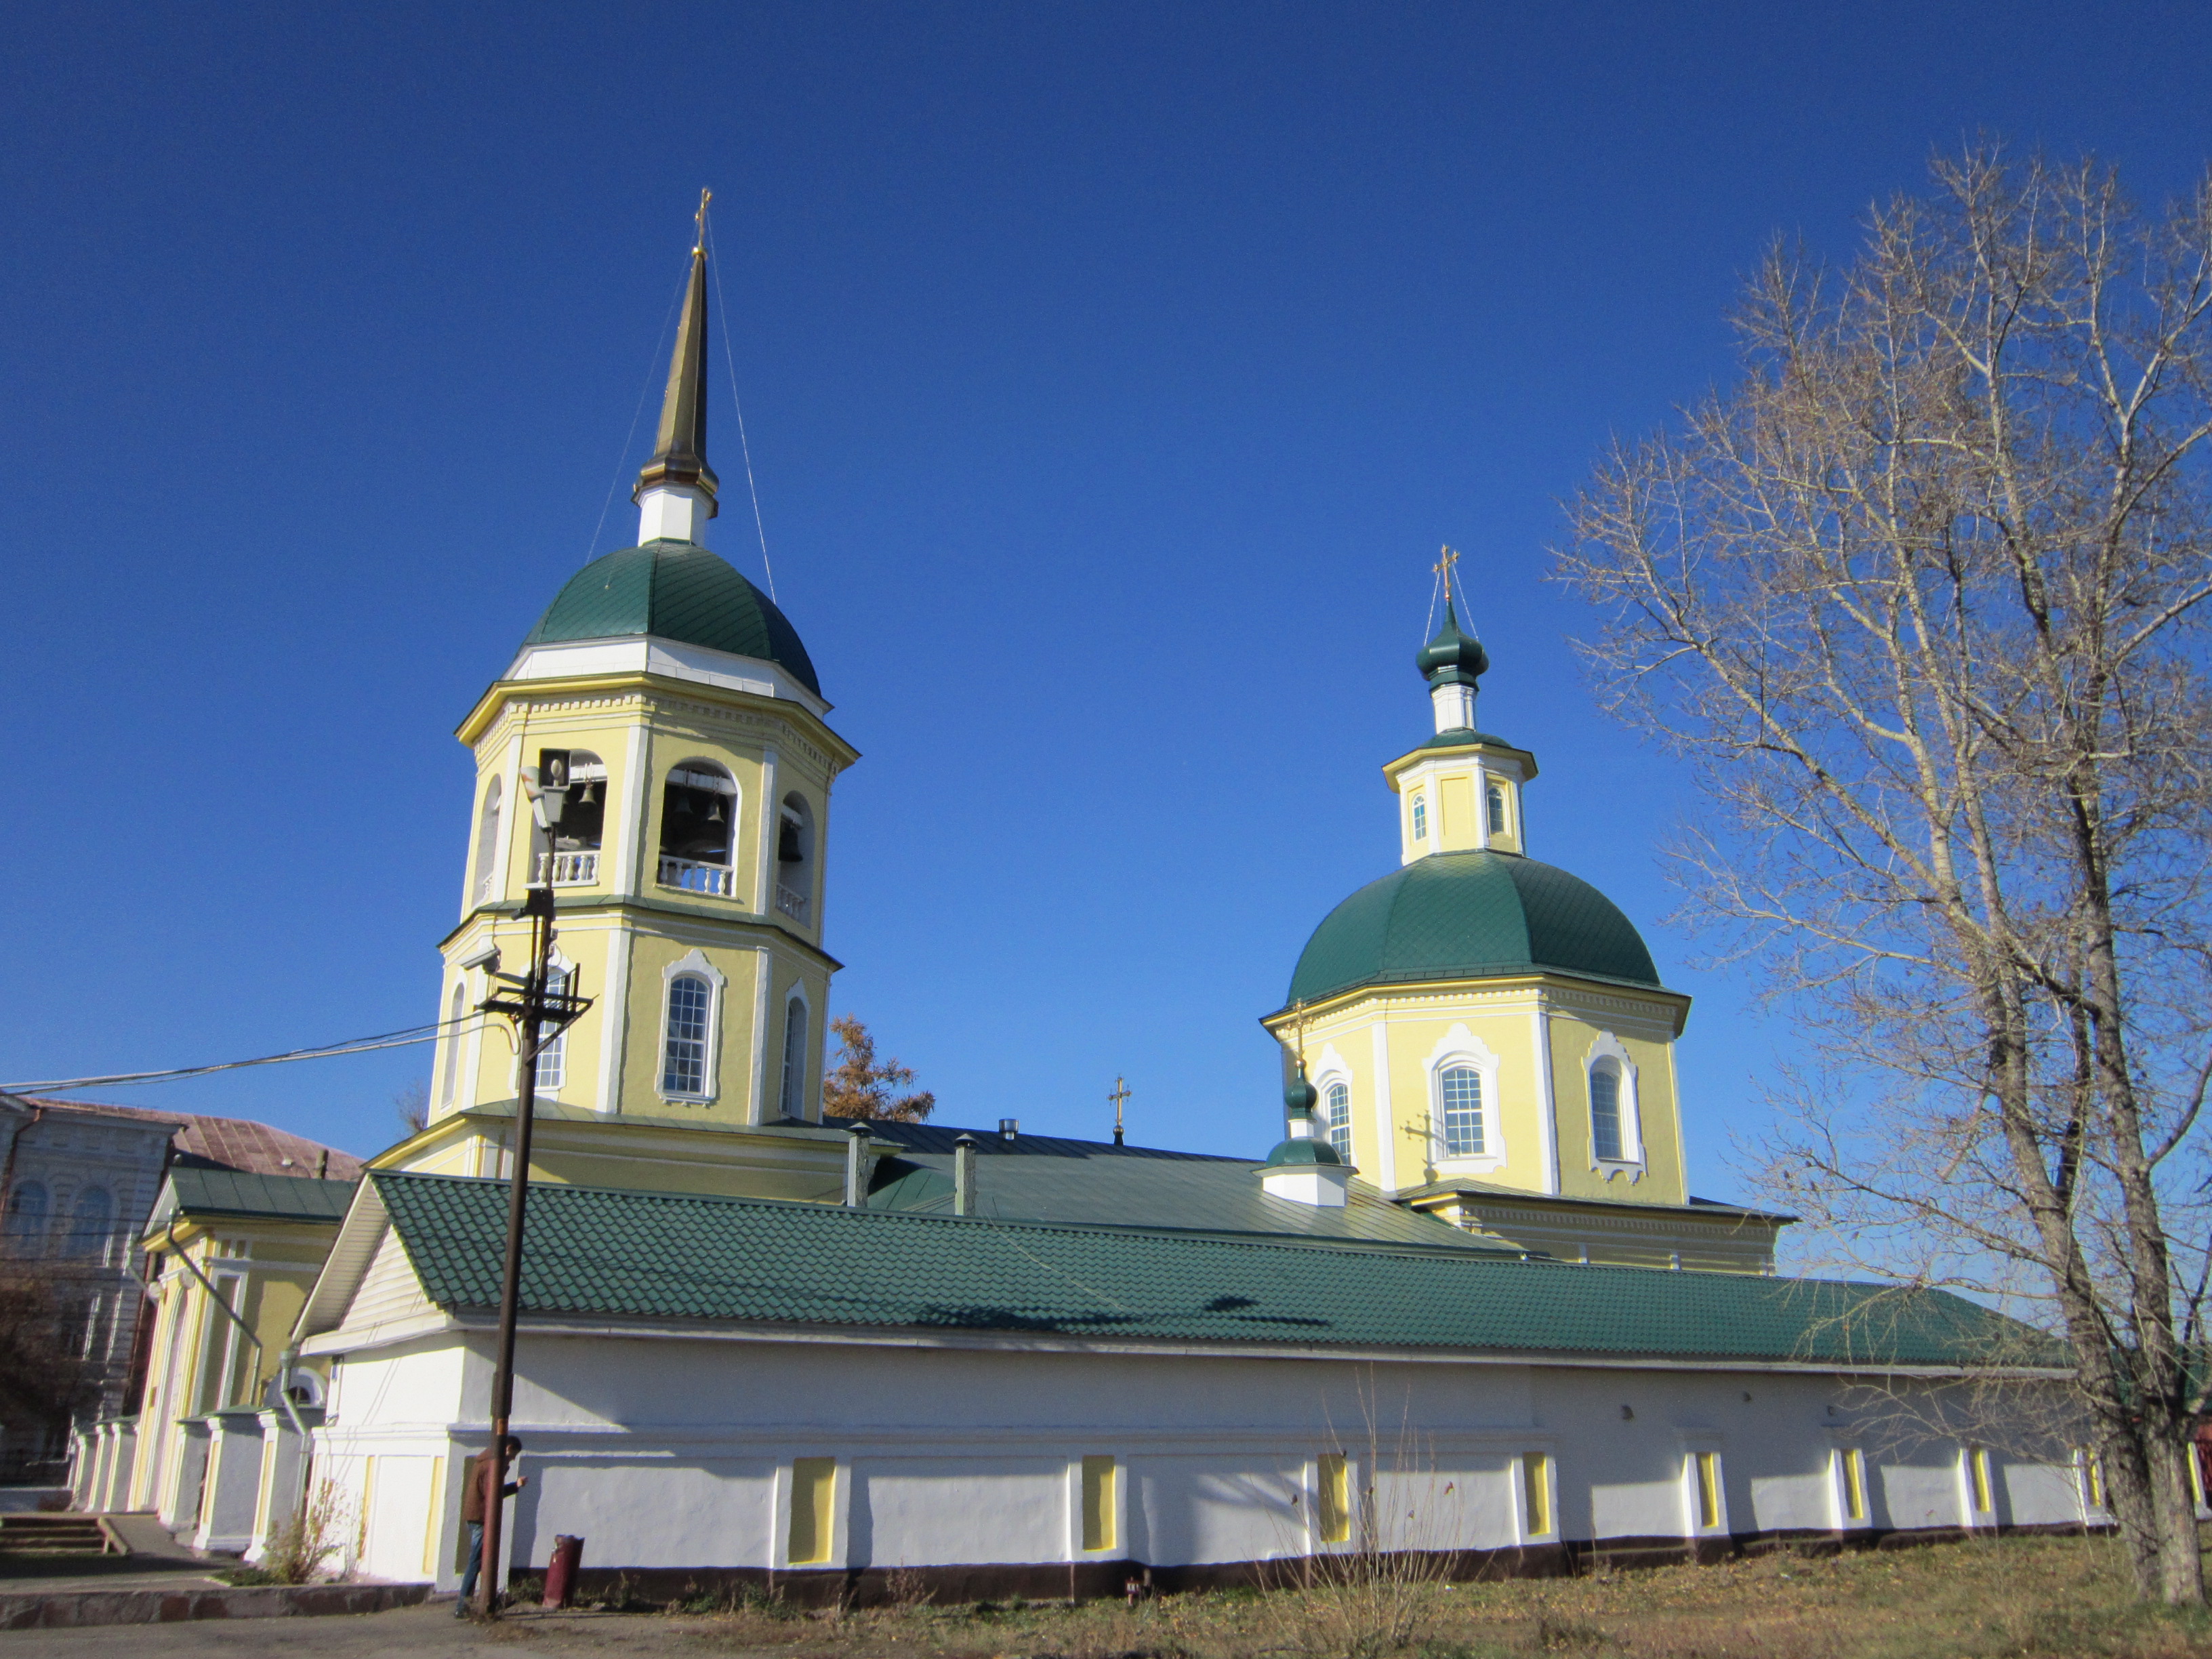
{"x": 688, "y": 869}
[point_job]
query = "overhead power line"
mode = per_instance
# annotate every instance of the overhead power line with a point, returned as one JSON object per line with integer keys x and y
{"x": 399, "y": 1039}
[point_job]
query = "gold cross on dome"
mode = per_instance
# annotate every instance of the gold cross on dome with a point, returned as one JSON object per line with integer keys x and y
{"x": 1443, "y": 567}
{"x": 705, "y": 196}
{"x": 1119, "y": 1098}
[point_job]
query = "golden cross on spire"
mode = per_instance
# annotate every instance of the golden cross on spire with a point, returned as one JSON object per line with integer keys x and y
{"x": 705, "y": 196}
{"x": 1443, "y": 567}
{"x": 1119, "y": 1098}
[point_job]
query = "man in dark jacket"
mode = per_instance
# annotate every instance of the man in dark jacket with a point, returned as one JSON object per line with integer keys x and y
{"x": 474, "y": 1473}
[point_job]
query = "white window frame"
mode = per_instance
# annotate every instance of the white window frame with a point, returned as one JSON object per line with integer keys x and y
{"x": 1631, "y": 1163}
{"x": 1417, "y": 811}
{"x": 1978, "y": 1520}
{"x": 693, "y": 966}
{"x": 1460, "y": 1047}
{"x": 484, "y": 870}
{"x": 815, "y": 1041}
{"x": 1840, "y": 1490}
{"x": 1519, "y": 1472}
{"x": 840, "y": 1512}
{"x": 1696, "y": 1444}
{"x": 559, "y": 964}
{"x": 1120, "y": 1548}
{"x": 449, "y": 1083}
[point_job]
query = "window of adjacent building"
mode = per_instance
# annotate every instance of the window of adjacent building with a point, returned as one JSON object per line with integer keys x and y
{"x": 1336, "y": 1114}
{"x": 1099, "y": 1476}
{"x": 813, "y": 1514}
{"x": 89, "y": 1227}
{"x": 488, "y": 816}
{"x": 553, "y": 1057}
{"x": 26, "y": 1212}
{"x": 793, "y": 1093}
{"x": 1462, "y": 1089}
{"x": 1420, "y": 818}
{"x": 1537, "y": 1493}
{"x": 1497, "y": 809}
{"x": 1708, "y": 1474}
{"x": 1606, "y": 1138}
{"x": 576, "y": 838}
{"x": 1854, "y": 1472}
{"x": 1332, "y": 1498}
{"x": 456, "y": 1007}
{"x": 684, "y": 1064}
{"x": 698, "y": 829}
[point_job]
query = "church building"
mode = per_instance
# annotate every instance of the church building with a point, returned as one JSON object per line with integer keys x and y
{"x": 1467, "y": 1304}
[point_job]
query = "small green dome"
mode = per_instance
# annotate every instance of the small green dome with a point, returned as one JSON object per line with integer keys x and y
{"x": 1470, "y": 915}
{"x": 1452, "y": 658}
{"x": 674, "y": 590}
{"x": 1290, "y": 1154}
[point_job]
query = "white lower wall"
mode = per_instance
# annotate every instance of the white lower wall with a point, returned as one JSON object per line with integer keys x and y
{"x": 676, "y": 1452}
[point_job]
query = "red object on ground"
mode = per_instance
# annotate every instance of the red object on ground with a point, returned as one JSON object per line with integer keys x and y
{"x": 561, "y": 1572}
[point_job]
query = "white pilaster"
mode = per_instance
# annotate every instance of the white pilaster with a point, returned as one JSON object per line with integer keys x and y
{"x": 1548, "y": 1145}
{"x": 1454, "y": 707}
{"x": 614, "y": 1020}
{"x": 1386, "y": 1173}
{"x": 1481, "y": 803}
{"x": 771, "y": 810}
{"x": 764, "y": 972}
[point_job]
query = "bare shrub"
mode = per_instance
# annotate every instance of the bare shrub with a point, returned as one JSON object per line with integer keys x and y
{"x": 309, "y": 1536}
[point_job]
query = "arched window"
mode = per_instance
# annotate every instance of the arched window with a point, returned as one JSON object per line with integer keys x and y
{"x": 575, "y": 849}
{"x": 683, "y": 1061}
{"x": 27, "y": 1212}
{"x": 89, "y": 1228}
{"x": 553, "y": 1058}
{"x": 488, "y": 843}
{"x": 1420, "y": 818}
{"x": 795, "y": 859}
{"x": 1336, "y": 1117}
{"x": 1462, "y": 1089}
{"x": 456, "y": 1007}
{"x": 698, "y": 825}
{"x": 1497, "y": 809}
{"x": 794, "y": 1058}
{"x": 1606, "y": 1139}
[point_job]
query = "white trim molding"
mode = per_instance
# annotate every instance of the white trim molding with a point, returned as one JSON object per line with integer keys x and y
{"x": 1460, "y": 1047}
{"x": 694, "y": 965}
{"x": 1632, "y": 1161}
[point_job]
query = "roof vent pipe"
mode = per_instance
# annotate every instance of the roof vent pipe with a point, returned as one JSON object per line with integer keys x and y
{"x": 856, "y": 1164}
{"x": 963, "y": 1175}
{"x": 1009, "y": 1127}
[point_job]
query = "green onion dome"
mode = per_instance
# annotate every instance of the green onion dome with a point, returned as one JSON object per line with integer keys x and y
{"x": 674, "y": 590}
{"x": 1452, "y": 658}
{"x": 1470, "y": 915}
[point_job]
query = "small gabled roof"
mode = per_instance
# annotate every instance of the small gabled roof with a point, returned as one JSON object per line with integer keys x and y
{"x": 231, "y": 1193}
{"x": 601, "y": 1253}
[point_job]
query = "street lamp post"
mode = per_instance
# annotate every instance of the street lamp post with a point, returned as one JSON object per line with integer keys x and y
{"x": 540, "y": 1014}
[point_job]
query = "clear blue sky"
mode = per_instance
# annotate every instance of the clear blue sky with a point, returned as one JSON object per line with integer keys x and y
{"x": 1113, "y": 373}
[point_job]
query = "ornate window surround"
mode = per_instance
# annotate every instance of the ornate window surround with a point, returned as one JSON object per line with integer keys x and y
{"x": 1328, "y": 1070}
{"x": 694, "y": 965}
{"x": 1460, "y": 1047}
{"x": 1630, "y": 1163}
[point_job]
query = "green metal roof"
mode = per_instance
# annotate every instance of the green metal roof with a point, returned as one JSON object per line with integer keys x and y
{"x": 1470, "y": 915}
{"x": 674, "y": 590}
{"x": 597, "y": 1252}
{"x": 238, "y": 1193}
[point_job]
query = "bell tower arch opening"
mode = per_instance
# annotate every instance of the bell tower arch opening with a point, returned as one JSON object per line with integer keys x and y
{"x": 698, "y": 829}
{"x": 795, "y": 859}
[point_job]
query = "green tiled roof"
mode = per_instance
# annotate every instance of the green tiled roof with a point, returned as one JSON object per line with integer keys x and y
{"x": 1470, "y": 915}
{"x": 665, "y": 1256}
{"x": 237, "y": 1193}
{"x": 674, "y": 590}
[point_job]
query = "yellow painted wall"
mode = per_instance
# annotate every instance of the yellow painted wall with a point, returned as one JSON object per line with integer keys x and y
{"x": 1664, "y": 1180}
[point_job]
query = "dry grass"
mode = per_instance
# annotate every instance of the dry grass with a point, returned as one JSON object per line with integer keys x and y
{"x": 2020, "y": 1596}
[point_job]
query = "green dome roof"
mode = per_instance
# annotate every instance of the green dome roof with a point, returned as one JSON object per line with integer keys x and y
{"x": 1470, "y": 915}
{"x": 1301, "y": 1150}
{"x": 674, "y": 590}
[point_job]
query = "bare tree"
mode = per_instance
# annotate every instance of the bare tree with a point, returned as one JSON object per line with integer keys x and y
{"x": 860, "y": 1085}
{"x": 410, "y": 1102}
{"x": 1923, "y": 600}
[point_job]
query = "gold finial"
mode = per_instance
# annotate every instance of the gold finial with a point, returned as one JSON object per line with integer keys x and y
{"x": 700, "y": 242}
{"x": 1443, "y": 567}
{"x": 1120, "y": 1097}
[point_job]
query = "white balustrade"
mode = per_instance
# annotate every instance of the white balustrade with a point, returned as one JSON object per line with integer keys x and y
{"x": 572, "y": 869}
{"x": 692, "y": 877}
{"x": 792, "y": 905}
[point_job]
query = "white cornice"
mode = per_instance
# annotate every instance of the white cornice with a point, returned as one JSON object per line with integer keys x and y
{"x": 650, "y": 655}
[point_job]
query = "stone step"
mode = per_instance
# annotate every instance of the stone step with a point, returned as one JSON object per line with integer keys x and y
{"x": 57, "y": 1535}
